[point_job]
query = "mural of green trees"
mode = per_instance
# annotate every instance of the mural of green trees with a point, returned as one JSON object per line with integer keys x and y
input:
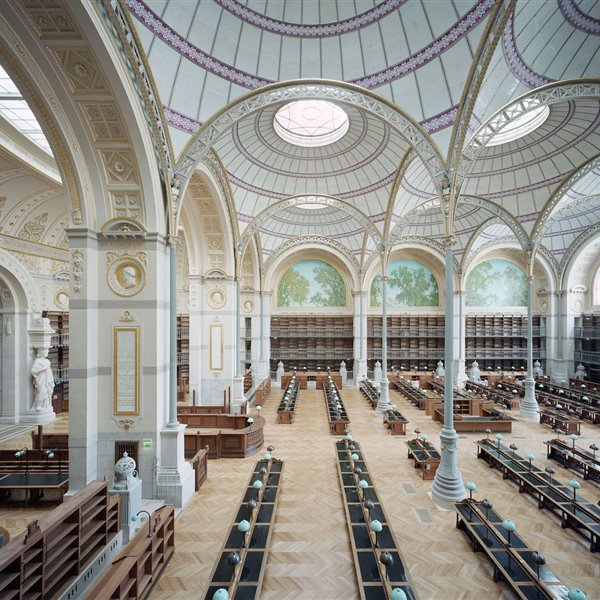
{"x": 409, "y": 284}
{"x": 311, "y": 283}
{"x": 496, "y": 282}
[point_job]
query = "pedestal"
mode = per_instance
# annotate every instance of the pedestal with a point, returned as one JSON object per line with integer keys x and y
{"x": 383, "y": 404}
{"x": 461, "y": 374}
{"x": 237, "y": 394}
{"x": 447, "y": 485}
{"x": 175, "y": 479}
{"x": 529, "y": 406}
{"x": 130, "y": 504}
{"x": 38, "y": 417}
{"x": 343, "y": 373}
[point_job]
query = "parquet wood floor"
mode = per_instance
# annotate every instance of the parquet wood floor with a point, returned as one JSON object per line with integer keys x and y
{"x": 310, "y": 550}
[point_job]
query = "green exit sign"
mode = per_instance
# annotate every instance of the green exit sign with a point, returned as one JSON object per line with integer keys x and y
{"x": 146, "y": 443}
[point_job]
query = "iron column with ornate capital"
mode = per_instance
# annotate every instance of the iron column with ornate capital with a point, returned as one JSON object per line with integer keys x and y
{"x": 172, "y": 240}
{"x": 448, "y": 484}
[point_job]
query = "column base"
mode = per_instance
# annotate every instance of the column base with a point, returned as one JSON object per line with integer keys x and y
{"x": 461, "y": 374}
{"x": 262, "y": 371}
{"x": 175, "y": 478}
{"x": 447, "y": 485}
{"x": 360, "y": 369}
{"x": 384, "y": 398}
{"x": 530, "y": 411}
{"x": 237, "y": 394}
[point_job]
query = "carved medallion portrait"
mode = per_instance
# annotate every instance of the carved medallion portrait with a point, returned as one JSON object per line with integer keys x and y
{"x": 126, "y": 276}
{"x": 61, "y": 299}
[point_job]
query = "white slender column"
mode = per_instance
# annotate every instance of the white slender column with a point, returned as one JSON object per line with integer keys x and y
{"x": 448, "y": 485}
{"x": 384, "y": 400}
{"x": 461, "y": 374}
{"x": 237, "y": 387}
{"x": 529, "y": 406}
{"x": 173, "y": 423}
{"x": 264, "y": 337}
{"x": 360, "y": 340}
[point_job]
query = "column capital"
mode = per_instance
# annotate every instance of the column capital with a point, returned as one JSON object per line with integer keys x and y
{"x": 358, "y": 293}
{"x": 384, "y": 279}
{"x": 449, "y": 241}
{"x": 173, "y": 240}
{"x": 530, "y": 278}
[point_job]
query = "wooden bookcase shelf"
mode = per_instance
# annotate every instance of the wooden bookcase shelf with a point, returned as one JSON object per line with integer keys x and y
{"x": 586, "y": 338}
{"x": 45, "y": 560}
{"x": 413, "y": 341}
{"x": 312, "y": 341}
{"x": 58, "y": 355}
{"x": 141, "y": 563}
{"x": 500, "y": 340}
{"x": 183, "y": 356}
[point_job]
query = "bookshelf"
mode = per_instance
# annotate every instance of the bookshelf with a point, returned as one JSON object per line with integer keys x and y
{"x": 414, "y": 342}
{"x": 46, "y": 559}
{"x": 183, "y": 356}
{"x": 312, "y": 341}
{"x": 500, "y": 340}
{"x": 58, "y": 355}
{"x": 586, "y": 338}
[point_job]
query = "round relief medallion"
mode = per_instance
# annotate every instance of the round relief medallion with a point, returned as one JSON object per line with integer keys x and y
{"x": 61, "y": 299}
{"x": 544, "y": 306}
{"x": 577, "y": 305}
{"x": 247, "y": 305}
{"x": 216, "y": 298}
{"x": 126, "y": 276}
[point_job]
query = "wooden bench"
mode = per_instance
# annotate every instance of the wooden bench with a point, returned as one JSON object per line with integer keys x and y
{"x": 512, "y": 562}
{"x": 573, "y": 457}
{"x": 374, "y": 579}
{"x": 578, "y": 513}
{"x": 426, "y": 457}
{"x": 244, "y": 580}
{"x": 141, "y": 563}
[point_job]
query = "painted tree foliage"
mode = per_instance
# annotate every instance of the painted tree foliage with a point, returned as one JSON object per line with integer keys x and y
{"x": 496, "y": 282}
{"x": 409, "y": 284}
{"x": 311, "y": 283}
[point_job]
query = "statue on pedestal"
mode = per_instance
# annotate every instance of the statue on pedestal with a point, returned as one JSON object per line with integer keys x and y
{"x": 440, "y": 371}
{"x": 537, "y": 369}
{"x": 377, "y": 373}
{"x": 475, "y": 374}
{"x": 580, "y": 373}
{"x": 43, "y": 381}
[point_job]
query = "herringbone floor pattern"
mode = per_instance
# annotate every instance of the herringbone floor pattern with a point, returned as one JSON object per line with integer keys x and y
{"x": 310, "y": 551}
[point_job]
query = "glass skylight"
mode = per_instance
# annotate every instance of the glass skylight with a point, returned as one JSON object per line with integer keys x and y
{"x": 16, "y": 111}
{"x": 311, "y": 123}
{"x": 519, "y": 127}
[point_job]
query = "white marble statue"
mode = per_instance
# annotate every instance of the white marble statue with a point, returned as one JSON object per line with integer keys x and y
{"x": 440, "y": 371}
{"x": 377, "y": 373}
{"x": 343, "y": 371}
{"x": 475, "y": 374}
{"x": 580, "y": 373}
{"x": 280, "y": 371}
{"x": 43, "y": 381}
{"x": 537, "y": 369}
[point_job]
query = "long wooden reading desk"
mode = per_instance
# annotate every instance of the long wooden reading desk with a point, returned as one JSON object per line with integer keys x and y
{"x": 512, "y": 562}
{"x": 574, "y": 511}
{"x": 426, "y": 457}
{"x": 573, "y": 457}
{"x": 303, "y": 377}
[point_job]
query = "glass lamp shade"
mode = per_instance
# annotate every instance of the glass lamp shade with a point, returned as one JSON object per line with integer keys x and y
{"x": 354, "y": 456}
{"x": 243, "y": 526}
{"x": 369, "y": 504}
{"x": 221, "y": 594}
{"x": 263, "y": 470}
{"x": 576, "y": 594}
{"x": 471, "y": 486}
{"x": 266, "y": 456}
{"x": 530, "y": 456}
{"x": 574, "y": 436}
{"x": 363, "y": 484}
{"x": 51, "y": 455}
{"x": 348, "y": 437}
{"x": 538, "y": 558}
{"x": 398, "y": 594}
{"x": 499, "y": 436}
{"x": 249, "y": 420}
{"x": 509, "y": 525}
{"x": 257, "y": 484}
{"x": 270, "y": 448}
{"x": 386, "y": 559}
{"x": 233, "y": 558}
{"x": 357, "y": 470}
{"x": 487, "y": 504}
{"x": 575, "y": 484}
{"x": 424, "y": 436}
{"x": 376, "y": 526}
{"x": 258, "y": 407}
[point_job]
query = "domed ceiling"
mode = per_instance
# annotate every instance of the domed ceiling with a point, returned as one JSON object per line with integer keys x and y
{"x": 416, "y": 54}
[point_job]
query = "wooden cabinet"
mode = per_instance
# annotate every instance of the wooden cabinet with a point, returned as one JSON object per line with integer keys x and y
{"x": 586, "y": 338}
{"x": 43, "y": 561}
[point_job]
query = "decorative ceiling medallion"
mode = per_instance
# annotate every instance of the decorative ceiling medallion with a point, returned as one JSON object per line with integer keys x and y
{"x": 216, "y": 297}
{"x": 126, "y": 273}
{"x": 61, "y": 299}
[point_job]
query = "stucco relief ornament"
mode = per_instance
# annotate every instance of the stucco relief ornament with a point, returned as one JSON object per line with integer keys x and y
{"x": 248, "y": 305}
{"x": 61, "y": 299}
{"x": 126, "y": 273}
{"x": 216, "y": 298}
